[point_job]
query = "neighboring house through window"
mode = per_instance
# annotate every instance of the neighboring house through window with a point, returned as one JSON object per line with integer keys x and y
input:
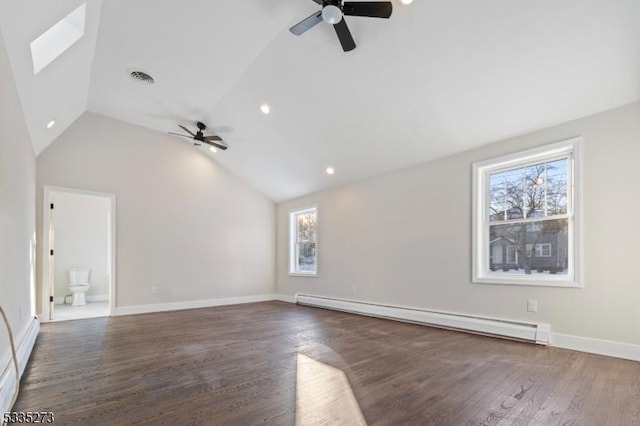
{"x": 303, "y": 234}
{"x": 525, "y": 217}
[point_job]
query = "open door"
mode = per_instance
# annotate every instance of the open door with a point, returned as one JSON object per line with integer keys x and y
{"x": 79, "y": 235}
{"x": 52, "y": 263}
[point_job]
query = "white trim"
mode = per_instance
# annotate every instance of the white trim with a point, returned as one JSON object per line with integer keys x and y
{"x": 46, "y": 273}
{"x": 59, "y": 300}
{"x": 531, "y": 332}
{"x": 596, "y": 346}
{"x": 480, "y": 256}
{"x": 192, "y": 304}
{"x": 25, "y": 342}
{"x": 303, "y": 274}
{"x": 284, "y": 298}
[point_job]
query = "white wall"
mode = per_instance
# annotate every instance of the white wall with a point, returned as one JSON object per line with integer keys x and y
{"x": 405, "y": 238}
{"x": 81, "y": 224}
{"x": 17, "y": 209}
{"x": 184, "y": 224}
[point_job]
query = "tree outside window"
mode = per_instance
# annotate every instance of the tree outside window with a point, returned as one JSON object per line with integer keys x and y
{"x": 528, "y": 208}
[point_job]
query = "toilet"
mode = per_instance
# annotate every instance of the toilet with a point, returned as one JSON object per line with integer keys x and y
{"x": 79, "y": 285}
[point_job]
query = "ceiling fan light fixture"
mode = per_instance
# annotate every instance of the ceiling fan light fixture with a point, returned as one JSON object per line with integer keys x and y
{"x": 406, "y": 1}
{"x": 331, "y": 14}
{"x": 213, "y": 149}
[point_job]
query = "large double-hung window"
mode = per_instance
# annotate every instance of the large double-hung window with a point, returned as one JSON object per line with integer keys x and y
{"x": 525, "y": 217}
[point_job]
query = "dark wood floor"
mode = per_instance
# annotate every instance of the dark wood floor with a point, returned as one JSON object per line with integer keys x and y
{"x": 277, "y": 363}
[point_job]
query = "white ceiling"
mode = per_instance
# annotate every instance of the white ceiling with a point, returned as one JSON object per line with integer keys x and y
{"x": 437, "y": 78}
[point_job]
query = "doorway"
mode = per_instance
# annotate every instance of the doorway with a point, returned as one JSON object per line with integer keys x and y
{"x": 78, "y": 254}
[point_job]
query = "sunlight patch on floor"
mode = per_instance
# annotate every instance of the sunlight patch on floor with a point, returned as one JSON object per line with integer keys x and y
{"x": 324, "y": 395}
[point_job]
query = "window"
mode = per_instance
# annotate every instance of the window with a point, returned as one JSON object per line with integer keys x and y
{"x": 57, "y": 39}
{"x": 525, "y": 218}
{"x": 512, "y": 255}
{"x": 543, "y": 250}
{"x": 303, "y": 225}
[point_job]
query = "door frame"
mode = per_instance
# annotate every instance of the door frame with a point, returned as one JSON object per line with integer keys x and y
{"x": 47, "y": 283}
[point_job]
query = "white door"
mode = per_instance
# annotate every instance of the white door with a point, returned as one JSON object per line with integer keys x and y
{"x": 52, "y": 263}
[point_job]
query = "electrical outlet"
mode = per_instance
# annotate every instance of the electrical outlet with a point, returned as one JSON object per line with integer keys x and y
{"x": 532, "y": 305}
{"x": 153, "y": 290}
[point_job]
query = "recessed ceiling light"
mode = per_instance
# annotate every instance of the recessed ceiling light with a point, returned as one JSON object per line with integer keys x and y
{"x": 51, "y": 124}
{"x": 265, "y": 108}
{"x": 330, "y": 170}
{"x": 213, "y": 149}
{"x": 406, "y": 1}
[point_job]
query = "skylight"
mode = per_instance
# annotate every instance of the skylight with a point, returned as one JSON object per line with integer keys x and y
{"x": 53, "y": 42}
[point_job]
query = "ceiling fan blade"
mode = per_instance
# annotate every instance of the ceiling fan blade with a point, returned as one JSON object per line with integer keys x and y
{"x": 319, "y": 2}
{"x": 371, "y": 9}
{"x": 217, "y": 145}
{"x": 213, "y": 138}
{"x": 187, "y": 130}
{"x": 344, "y": 35}
{"x": 307, "y": 23}
{"x": 179, "y": 134}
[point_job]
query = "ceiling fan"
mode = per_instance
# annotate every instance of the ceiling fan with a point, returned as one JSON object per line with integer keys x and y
{"x": 333, "y": 12}
{"x": 200, "y": 138}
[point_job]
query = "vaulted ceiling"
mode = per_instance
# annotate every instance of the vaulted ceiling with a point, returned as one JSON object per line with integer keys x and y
{"x": 438, "y": 77}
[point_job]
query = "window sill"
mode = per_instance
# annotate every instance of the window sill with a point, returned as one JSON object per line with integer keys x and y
{"x": 302, "y": 274}
{"x": 563, "y": 283}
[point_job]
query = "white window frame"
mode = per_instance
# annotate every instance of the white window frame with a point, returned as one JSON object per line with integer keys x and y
{"x": 540, "y": 250}
{"x": 293, "y": 235}
{"x": 481, "y": 273}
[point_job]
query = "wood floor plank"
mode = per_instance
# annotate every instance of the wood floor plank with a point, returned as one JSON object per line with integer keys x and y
{"x": 239, "y": 365}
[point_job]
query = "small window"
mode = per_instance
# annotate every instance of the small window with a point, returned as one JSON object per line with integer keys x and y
{"x": 525, "y": 207}
{"x": 303, "y": 250}
{"x": 543, "y": 250}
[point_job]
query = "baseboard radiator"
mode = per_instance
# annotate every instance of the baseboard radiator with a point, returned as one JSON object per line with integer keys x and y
{"x": 523, "y": 331}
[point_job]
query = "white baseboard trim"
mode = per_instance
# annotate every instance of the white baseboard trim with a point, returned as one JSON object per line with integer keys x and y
{"x": 596, "y": 346}
{"x": 531, "y": 332}
{"x": 284, "y": 298}
{"x": 97, "y": 298}
{"x": 24, "y": 346}
{"x": 191, "y": 304}
{"x": 60, "y": 300}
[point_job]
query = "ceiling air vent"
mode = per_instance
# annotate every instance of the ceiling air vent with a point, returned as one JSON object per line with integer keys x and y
{"x": 141, "y": 77}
